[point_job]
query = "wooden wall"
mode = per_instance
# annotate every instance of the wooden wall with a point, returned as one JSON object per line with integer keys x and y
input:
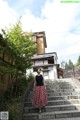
{"x": 7, "y": 62}
{"x": 40, "y": 41}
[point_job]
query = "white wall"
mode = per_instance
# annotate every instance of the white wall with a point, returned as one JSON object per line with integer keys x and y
{"x": 53, "y": 72}
{"x": 55, "y": 59}
{"x": 38, "y": 62}
{"x": 46, "y": 75}
{"x": 50, "y": 68}
{"x": 51, "y": 75}
{"x": 45, "y": 62}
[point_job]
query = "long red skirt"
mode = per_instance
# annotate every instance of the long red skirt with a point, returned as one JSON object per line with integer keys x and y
{"x": 39, "y": 96}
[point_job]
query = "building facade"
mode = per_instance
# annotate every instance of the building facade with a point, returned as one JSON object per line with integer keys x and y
{"x": 46, "y": 61}
{"x": 40, "y": 41}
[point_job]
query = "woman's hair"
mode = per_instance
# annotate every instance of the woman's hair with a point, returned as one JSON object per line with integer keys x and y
{"x": 38, "y": 69}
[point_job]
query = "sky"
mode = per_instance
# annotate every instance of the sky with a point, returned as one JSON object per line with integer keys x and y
{"x": 60, "y": 21}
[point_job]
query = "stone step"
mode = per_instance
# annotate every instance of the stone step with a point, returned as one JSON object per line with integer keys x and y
{"x": 63, "y": 97}
{"x": 63, "y": 90}
{"x": 55, "y": 94}
{"x": 60, "y": 90}
{"x": 57, "y": 102}
{"x": 63, "y": 102}
{"x": 53, "y": 108}
{"x": 62, "y": 93}
{"x": 58, "y": 82}
{"x": 74, "y": 118}
{"x": 52, "y": 115}
{"x": 57, "y": 87}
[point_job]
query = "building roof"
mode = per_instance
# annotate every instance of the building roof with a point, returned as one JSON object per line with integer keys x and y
{"x": 43, "y": 56}
{"x": 49, "y": 53}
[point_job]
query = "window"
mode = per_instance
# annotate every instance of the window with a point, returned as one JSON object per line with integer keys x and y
{"x": 50, "y": 61}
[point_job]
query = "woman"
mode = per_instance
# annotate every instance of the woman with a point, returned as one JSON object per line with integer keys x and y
{"x": 40, "y": 96}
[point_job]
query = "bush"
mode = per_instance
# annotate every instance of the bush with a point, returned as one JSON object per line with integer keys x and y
{"x": 12, "y": 101}
{"x": 30, "y": 77}
{"x": 14, "y": 111}
{"x": 19, "y": 86}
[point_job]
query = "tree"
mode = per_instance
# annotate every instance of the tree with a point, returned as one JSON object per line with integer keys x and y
{"x": 66, "y": 66}
{"x": 21, "y": 49}
{"x": 63, "y": 64}
{"x": 78, "y": 61}
{"x": 22, "y": 46}
{"x": 69, "y": 65}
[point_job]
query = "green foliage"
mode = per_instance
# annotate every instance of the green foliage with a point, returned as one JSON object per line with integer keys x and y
{"x": 12, "y": 103}
{"x": 78, "y": 61}
{"x": 22, "y": 46}
{"x": 19, "y": 86}
{"x": 21, "y": 49}
{"x": 30, "y": 77}
{"x": 16, "y": 89}
{"x": 66, "y": 66}
{"x": 14, "y": 111}
{"x": 69, "y": 65}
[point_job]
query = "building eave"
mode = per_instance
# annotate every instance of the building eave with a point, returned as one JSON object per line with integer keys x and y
{"x": 41, "y": 58}
{"x": 49, "y": 53}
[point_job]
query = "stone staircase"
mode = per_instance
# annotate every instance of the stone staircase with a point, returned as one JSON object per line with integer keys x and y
{"x": 63, "y": 102}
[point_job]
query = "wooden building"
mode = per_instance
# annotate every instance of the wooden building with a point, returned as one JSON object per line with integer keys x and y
{"x": 40, "y": 41}
{"x": 7, "y": 62}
